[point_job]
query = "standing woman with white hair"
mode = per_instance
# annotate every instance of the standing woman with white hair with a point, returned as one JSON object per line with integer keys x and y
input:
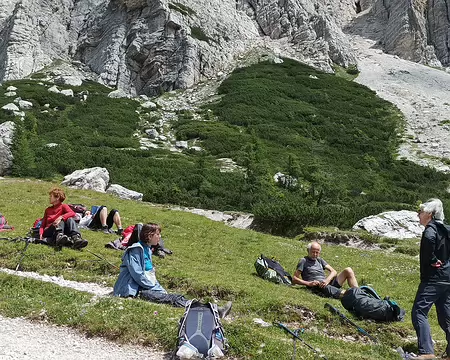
{"x": 434, "y": 287}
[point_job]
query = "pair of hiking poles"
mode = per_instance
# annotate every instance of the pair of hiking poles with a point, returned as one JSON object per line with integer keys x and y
{"x": 295, "y": 333}
{"x": 28, "y": 240}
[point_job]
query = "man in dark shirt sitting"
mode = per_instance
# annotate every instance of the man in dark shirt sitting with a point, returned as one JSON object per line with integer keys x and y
{"x": 311, "y": 272}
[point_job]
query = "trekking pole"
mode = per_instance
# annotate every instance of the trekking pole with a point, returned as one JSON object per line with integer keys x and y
{"x": 295, "y": 336}
{"x": 27, "y": 242}
{"x": 346, "y": 319}
{"x": 106, "y": 261}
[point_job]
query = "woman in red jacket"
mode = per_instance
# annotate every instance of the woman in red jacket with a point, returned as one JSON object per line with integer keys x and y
{"x": 58, "y": 223}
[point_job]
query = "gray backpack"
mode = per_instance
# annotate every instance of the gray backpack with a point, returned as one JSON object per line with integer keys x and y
{"x": 200, "y": 333}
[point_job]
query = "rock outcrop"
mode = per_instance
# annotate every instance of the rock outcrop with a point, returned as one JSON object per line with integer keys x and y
{"x": 414, "y": 30}
{"x": 153, "y": 46}
{"x": 392, "y": 224}
{"x": 124, "y": 193}
{"x": 95, "y": 178}
{"x": 6, "y": 136}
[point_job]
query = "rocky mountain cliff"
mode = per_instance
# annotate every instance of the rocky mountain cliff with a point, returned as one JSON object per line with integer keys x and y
{"x": 158, "y": 45}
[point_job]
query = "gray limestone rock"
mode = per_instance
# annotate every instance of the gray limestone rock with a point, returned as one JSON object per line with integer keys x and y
{"x": 6, "y": 137}
{"x": 95, "y": 178}
{"x": 10, "y": 107}
{"x": 25, "y": 105}
{"x": 402, "y": 224}
{"x": 124, "y": 193}
{"x": 67, "y": 92}
{"x": 54, "y": 89}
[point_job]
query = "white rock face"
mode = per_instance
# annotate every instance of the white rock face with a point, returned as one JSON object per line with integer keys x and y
{"x": 6, "y": 138}
{"x": 25, "y": 105}
{"x": 402, "y": 224}
{"x": 95, "y": 178}
{"x": 116, "y": 94}
{"x": 10, "y": 93}
{"x": 11, "y": 88}
{"x": 69, "y": 80}
{"x": 54, "y": 89}
{"x": 67, "y": 92}
{"x": 10, "y": 107}
{"x": 124, "y": 193}
{"x": 149, "y": 105}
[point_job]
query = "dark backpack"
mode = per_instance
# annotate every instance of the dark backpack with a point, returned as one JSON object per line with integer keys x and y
{"x": 271, "y": 270}
{"x": 364, "y": 302}
{"x": 200, "y": 332}
{"x": 78, "y": 208}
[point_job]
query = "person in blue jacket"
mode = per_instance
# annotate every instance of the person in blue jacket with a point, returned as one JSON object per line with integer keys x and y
{"x": 434, "y": 287}
{"x": 137, "y": 276}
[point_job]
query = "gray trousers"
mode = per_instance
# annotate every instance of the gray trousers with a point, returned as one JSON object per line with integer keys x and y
{"x": 163, "y": 298}
{"x": 427, "y": 295}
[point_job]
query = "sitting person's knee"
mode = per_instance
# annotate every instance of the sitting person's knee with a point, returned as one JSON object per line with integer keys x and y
{"x": 349, "y": 271}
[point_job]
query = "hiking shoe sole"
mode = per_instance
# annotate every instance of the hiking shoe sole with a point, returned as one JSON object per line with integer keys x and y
{"x": 79, "y": 244}
{"x": 63, "y": 240}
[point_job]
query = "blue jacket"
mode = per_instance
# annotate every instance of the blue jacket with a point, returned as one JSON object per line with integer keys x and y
{"x": 132, "y": 273}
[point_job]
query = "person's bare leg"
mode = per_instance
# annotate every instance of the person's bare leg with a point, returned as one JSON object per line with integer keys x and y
{"x": 347, "y": 275}
{"x": 117, "y": 220}
{"x": 103, "y": 215}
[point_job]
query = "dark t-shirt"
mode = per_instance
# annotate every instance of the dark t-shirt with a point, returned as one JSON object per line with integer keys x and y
{"x": 312, "y": 269}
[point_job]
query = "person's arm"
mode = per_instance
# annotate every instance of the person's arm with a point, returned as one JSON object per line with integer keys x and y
{"x": 43, "y": 225}
{"x": 134, "y": 262}
{"x": 297, "y": 279}
{"x": 67, "y": 212}
{"x": 430, "y": 238}
{"x": 330, "y": 277}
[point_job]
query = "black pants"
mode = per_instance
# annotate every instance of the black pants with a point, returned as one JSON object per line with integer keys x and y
{"x": 96, "y": 222}
{"x": 68, "y": 227}
{"x": 163, "y": 298}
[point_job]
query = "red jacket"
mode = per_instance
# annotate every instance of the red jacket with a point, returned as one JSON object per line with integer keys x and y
{"x": 52, "y": 213}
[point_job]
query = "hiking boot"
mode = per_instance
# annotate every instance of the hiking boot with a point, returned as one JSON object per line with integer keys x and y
{"x": 63, "y": 240}
{"x": 78, "y": 242}
{"x": 161, "y": 253}
{"x": 224, "y": 310}
{"x": 106, "y": 230}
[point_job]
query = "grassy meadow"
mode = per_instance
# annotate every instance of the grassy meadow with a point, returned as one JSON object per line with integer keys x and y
{"x": 211, "y": 262}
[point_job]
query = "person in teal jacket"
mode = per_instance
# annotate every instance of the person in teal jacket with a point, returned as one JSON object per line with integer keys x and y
{"x": 137, "y": 274}
{"x": 137, "y": 277}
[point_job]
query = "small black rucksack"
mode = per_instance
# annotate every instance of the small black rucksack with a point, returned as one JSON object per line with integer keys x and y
{"x": 200, "y": 333}
{"x": 271, "y": 270}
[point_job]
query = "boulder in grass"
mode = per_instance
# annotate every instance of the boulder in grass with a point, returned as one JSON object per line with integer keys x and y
{"x": 6, "y": 137}
{"x": 402, "y": 224}
{"x": 124, "y": 193}
{"x": 25, "y": 105}
{"x": 117, "y": 94}
{"x": 11, "y": 88}
{"x": 67, "y": 92}
{"x": 54, "y": 89}
{"x": 10, "y": 107}
{"x": 95, "y": 178}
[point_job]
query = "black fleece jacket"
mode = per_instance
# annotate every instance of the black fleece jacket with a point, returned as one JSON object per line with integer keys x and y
{"x": 435, "y": 246}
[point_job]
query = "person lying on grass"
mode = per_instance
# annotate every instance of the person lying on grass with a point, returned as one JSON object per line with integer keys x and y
{"x": 137, "y": 277}
{"x": 101, "y": 220}
{"x": 311, "y": 273}
{"x": 58, "y": 224}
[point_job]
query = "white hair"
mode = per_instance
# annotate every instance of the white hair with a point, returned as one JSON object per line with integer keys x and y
{"x": 309, "y": 246}
{"x": 433, "y": 207}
